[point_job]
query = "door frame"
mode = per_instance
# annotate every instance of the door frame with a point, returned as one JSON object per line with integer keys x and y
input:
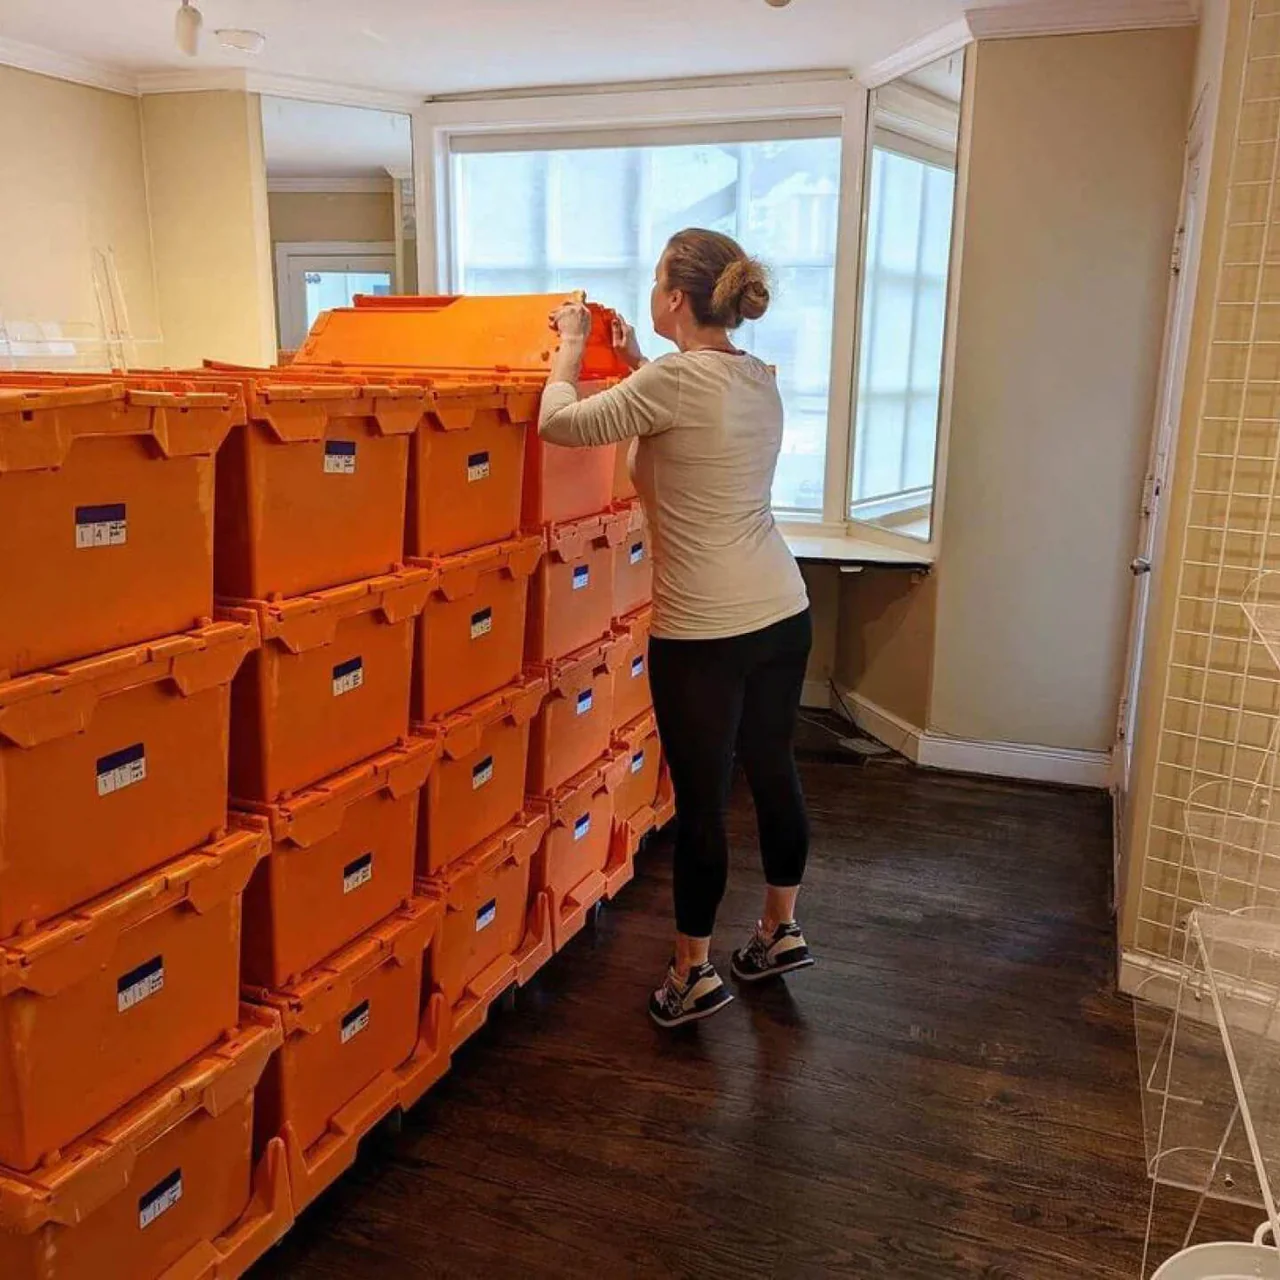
{"x": 1184, "y": 270}
{"x": 296, "y": 257}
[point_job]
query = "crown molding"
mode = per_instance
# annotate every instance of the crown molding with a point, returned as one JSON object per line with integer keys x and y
{"x": 303, "y": 88}
{"x": 919, "y": 53}
{"x": 66, "y": 66}
{"x": 1072, "y": 17}
{"x": 331, "y": 186}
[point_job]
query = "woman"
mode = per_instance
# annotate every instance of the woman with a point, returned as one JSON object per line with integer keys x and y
{"x": 731, "y": 628}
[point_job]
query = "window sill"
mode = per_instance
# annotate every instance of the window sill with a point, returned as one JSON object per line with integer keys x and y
{"x": 842, "y": 549}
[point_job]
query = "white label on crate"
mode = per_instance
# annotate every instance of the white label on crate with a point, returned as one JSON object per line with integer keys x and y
{"x": 121, "y": 769}
{"x": 356, "y": 874}
{"x": 481, "y": 623}
{"x": 637, "y": 761}
{"x": 486, "y": 915}
{"x": 581, "y": 576}
{"x": 482, "y": 773}
{"x": 140, "y": 984}
{"x": 348, "y": 676}
{"x": 339, "y": 457}
{"x": 581, "y": 827}
{"x": 637, "y": 552}
{"x": 477, "y": 467}
{"x": 104, "y": 526}
{"x": 585, "y": 699}
{"x": 637, "y": 666}
{"x": 355, "y": 1022}
{"x": 160, "y": 1199}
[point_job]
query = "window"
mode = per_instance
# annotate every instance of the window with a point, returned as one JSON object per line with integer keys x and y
{"x": 908, "y": 249}
{"x": 596, "y": 217}
{"x": 316, "y": 277}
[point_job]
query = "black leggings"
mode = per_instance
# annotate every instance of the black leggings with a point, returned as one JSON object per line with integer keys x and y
{"x": 713, "y": 697}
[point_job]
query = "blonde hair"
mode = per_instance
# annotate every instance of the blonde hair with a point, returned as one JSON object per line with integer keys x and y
{"x": 724, "y": 284}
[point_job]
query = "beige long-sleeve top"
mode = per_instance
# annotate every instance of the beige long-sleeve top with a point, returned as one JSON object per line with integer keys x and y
{"x": 709, "y": 425}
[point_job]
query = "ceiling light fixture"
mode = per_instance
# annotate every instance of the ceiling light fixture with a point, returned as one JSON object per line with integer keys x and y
{"x": 186, "y": 28}
{"x": 241, "y": 39}
{"x": 777, "y": 4}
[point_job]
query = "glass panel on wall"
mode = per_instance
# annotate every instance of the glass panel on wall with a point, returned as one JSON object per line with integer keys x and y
{"x": 596, "y": 218}
{"x": 340, "y": 199}
{"x": 911, "y": 189}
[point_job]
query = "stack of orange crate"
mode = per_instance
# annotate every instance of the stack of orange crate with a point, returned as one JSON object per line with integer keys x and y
{"x": 310, "y": 529}
{"x": 518, "y": 820}
{"x": 644, "y": 800}
{"x": 127, "y": 1064}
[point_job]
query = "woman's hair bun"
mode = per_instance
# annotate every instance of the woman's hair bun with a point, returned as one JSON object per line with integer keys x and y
{"x": 741, "y": 293}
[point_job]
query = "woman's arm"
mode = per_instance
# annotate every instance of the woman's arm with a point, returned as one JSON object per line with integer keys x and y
{"x": 645, "y": 403}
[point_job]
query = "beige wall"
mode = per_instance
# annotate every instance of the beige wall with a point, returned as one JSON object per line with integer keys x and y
{"x": 1073, "y": 176}
{"x": 1211, "y": 693}
{"x": 72, "y": 177}
{"x": 206, "y": 179}
{"x": 300, "y": 216}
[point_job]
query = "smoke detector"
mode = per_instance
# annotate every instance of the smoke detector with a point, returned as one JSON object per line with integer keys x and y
{"x": 186, "y": 28}
{"x": 241, "y": 39}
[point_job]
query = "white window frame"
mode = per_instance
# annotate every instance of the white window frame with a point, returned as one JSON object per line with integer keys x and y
{"x": 294, "y": 258}
{"x": 629, "y": 110}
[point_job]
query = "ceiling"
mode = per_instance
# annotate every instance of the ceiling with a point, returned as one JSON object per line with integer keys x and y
{"x": 424, "y": 47}
{"x": 315, "y": 140}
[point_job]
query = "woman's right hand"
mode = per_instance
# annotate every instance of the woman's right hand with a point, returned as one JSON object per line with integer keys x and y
{"x": 625, "y": 344}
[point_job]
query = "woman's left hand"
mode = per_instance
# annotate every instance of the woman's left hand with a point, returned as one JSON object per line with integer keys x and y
{"x": 572, "y": 322}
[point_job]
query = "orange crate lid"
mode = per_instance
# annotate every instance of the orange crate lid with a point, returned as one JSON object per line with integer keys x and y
{"x": 635, "y": 626}
{"x": 636, "y": 731}
{"x": 65, "y": 950}
{"x": 51, "y": 704}
{"x": 459, "y": 574}
{"x": 517, "y": 842}
{"x": 306, "y": 622}
{"x": 324, "y": 995}
{"x": 100, "y": 1165}
{"x": 569, "y": 539}
{"x": 475, "y": 333}
{"x": 572, "y": 673}
{"x": 312, "y": 815}
{"x": 565, "y": 804}
{"x": 460, "y": 733}
{"x": 39, "y": 423}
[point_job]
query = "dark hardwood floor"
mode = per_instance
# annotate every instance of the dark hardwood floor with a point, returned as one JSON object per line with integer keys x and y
{"x": 952, "y": 1092}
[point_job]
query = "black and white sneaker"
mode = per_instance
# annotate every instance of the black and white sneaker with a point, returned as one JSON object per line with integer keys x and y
{"x": 770, "y": 955}
{"x": 675, "y": 1002}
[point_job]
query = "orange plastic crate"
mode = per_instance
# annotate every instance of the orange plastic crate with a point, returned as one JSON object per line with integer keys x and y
{"x": 467, "y": 474}
{"x": 348, "y": 1025}
{"x": 484, "y": 939}
{"x": 161, "y": 1188}
{"x": 477, "y": 334}
{"x": 562, "y": 484}
{"x": 633, "y": 564}
{"x": 570, "y": 867}
{"x": 342, "y": 859}
{"x": 639, "y": 786}
{"x": 471, "y": 637}
{"x": 311, "y": 490}
{"x": 107, "y": 536}
{"x": 110, "y": 766}
{"x": 478, "y": 785}
{"x": 632, "y": 696}
{"x": 575, "y": 723}
{"x": 329, "y": 686}
{"x": 141, "y": 980}
{"x": 571, "y": 598}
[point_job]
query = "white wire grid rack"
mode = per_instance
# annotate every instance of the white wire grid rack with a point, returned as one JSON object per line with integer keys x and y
{"x": 1221, "y": 695}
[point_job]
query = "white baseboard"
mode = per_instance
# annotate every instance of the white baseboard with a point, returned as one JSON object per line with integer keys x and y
{"x": 816, "y": 695}
{"x": 992, "y": 759}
